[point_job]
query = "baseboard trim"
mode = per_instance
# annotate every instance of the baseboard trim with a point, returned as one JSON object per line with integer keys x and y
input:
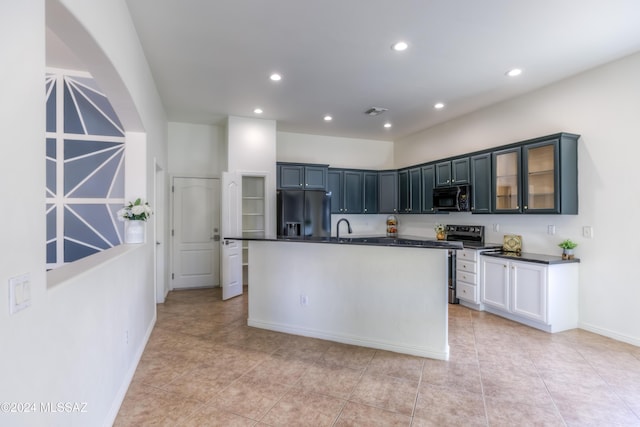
{"x": 610, "y": 334}
{"x": 353, "y": 340}
{"x": 119, "y": 397}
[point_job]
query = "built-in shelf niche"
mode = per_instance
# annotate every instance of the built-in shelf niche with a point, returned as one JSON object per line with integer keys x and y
{"x": 253, "y": 216}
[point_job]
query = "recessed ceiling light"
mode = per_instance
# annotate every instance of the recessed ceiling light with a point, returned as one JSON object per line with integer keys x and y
{"x": 258, "y": 111}
{"x": 514, "y": 72}
{"x": 275, "y": 77}
{"x": 399, "y": 46}
{"x": 387, "y": 125}
{"x": 438, "y": 106}
{"x": 328, "y": 118}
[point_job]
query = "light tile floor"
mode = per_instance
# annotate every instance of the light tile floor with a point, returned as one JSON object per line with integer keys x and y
{"x": 204, "y": 367}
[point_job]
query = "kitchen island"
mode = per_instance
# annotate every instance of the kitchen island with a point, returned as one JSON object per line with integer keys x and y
{"x": 382, "y": 293}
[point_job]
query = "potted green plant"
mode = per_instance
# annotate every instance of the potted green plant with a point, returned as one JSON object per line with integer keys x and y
{"x": 567, "y": 246}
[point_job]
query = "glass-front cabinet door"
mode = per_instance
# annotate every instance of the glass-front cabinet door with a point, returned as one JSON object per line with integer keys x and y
{"x": 540, "y": 177}
{"x": 506, "y": 180}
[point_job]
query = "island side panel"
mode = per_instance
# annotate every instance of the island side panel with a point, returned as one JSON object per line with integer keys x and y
{"x": 391, "y": 298}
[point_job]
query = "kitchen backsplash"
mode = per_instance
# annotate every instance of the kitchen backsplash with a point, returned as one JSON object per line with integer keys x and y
{"x": 532, "y": 228}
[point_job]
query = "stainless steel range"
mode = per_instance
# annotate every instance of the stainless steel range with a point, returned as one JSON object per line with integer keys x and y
{"x": 470, "y": 236}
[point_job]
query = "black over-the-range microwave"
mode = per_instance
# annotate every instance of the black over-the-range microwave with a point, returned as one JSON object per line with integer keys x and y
{"x": 455, "y": 198}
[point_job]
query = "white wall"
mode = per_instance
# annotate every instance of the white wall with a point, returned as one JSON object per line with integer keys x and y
{"x": 197, "y": 150}
{"x": 603, "y": 106}
{"x": 335, "y": 151}
{"x": 79, "y": 341}
{"x": 251, "y": 147}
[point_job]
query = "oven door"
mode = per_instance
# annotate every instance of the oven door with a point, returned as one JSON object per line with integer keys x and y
{"x": 451, "y": 276}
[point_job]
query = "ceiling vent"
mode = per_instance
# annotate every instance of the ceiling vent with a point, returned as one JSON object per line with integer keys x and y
{"x": 375, "y": 111}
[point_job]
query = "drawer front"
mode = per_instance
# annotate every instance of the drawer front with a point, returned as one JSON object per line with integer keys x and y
{"x": 464, "y": 265}
{"x": 464, "y": 276}
{"x": 467, "y": 254}
{"x": 467, "y": 292}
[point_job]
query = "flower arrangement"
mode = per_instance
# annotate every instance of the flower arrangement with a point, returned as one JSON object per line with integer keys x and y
{"x": 439, "y": 228}
{"x": 135, "y": 211}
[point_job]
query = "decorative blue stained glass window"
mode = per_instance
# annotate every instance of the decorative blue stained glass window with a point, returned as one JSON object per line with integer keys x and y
{"x": 84, "y": 169}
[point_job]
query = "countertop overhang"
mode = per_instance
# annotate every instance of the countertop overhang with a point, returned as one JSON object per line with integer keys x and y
{"x": 402, "y": 241}
{"x": 530, "y": 257}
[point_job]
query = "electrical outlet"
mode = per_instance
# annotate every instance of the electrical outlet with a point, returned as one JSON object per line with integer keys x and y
{"x": 19, "y": 293}
{"x": 551, "y": 229}
{"x": 304, "y": 300}
{"x": 587, "y": 232}
{"x": 496, "y": 228}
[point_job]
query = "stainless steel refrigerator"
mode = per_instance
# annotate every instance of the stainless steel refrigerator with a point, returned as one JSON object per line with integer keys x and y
{"x": 304, "y": 213}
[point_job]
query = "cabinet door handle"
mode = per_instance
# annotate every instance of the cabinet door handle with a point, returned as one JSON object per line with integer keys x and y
{"x": 526, "y": 207}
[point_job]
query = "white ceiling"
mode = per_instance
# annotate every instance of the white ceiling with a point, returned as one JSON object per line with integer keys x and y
{"x": 212, "y": 58}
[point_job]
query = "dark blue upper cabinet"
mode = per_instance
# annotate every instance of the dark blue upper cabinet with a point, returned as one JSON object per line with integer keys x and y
{"x": 334, "y": 186}
{"x": 388, "y": 192}
{"x": 443, "y": 174}
{"x": 507, "y": 195}
{"x": 409, "y": 188}
{"x": 428, "y": 184}
{"x": 460, "y": 171}
{"x": 315, "y": 177}
{"x": 347, "y": 191}
{"x": 452, "y": 172}
{"x": 481, "y": 183}
{"x": 302, "y": 177}
{"x": 370, "y": 192}
{"x": 538, "y": 176}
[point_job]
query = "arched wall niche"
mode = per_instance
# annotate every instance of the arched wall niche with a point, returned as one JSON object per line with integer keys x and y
{"x": 64, "y": 31}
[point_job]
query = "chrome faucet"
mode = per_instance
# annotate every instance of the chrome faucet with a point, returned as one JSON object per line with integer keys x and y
{"x": 338, "y": 227}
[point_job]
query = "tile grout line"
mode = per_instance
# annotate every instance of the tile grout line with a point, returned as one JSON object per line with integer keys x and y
{"x": 415, "y": 401}
{"x": 475, "y": 348}
{"x": 612, "y": 389}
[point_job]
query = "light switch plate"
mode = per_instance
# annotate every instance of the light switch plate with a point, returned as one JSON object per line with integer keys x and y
{"x": 587, "y": 232}
{"x": 19, "y": 293}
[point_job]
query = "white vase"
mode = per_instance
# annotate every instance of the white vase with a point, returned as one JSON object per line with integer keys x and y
{"x": 134, "y": 232}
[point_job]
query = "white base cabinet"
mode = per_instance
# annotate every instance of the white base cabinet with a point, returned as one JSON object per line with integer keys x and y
{"x": 467, "y": 278}
{"x": 544, "y": 296}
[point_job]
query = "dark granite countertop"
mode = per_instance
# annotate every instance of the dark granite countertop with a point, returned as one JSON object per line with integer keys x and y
{"x": 530, "y": 257}
{"x": 402, "y": 241}
{"x": 481, "y": 246}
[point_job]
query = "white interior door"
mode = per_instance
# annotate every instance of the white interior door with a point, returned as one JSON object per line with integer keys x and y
{"x": 231, "y": 227}
{"x": 196, "y": 232}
